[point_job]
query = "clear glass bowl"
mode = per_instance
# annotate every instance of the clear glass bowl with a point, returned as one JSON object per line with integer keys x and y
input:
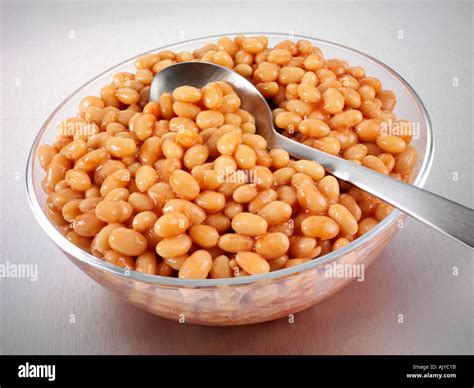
{"x": 249, "y": 299}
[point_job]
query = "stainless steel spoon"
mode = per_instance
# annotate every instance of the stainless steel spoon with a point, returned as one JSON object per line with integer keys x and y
{"x": 448, "y": 217}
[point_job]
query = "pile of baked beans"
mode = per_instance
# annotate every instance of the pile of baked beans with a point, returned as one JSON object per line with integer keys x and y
{"x": 185, "y": 186}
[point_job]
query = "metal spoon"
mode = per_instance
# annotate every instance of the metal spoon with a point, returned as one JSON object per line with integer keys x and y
{"x": 448, "y": 217}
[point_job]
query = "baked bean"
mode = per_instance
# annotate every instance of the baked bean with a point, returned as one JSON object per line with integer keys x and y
{"x": 175, "y": 262}
{"x": 329, "y": 188}
{"x": 355, "y": 152}
{"x": 78, "y": 180}
{"x": 59, "y": 199}
{"x": 232, "y": 209}
{"x": 302, "y": 246}
{"x": 89, "y": 204}
{"x": 212, "y": 96}
{"x": 387, "y": 98}
{"x": 220, "y": 268}
{"x": 119, "y": 259}
{"x": 73, "y": 150}
{"x": 344, "y": 218}
{"x": 91, "y": 160}
{"x": 327, "y": 144}
{"x": 163, "y": 269}
{"x": 209, "y": 119}
{"x": 195, "y": 156}
{"x": 373, "y": 149}
{"x": 245, "y": 156}
{"x": 313, "y": 62}
{"x": 81, "y": 241}
{"x": 266, "y": 73}
{"x": 366, "y": 92}
{"x": 345, "y": 120}
{"x": 321, "y": 227}
{"x": 187, "y": 94}
{"x": 275, "y": 212}
{"x": 146, "y": 263}
{"x": 144, "y": 76}
{"x": 150, "y": 151}
{"x": 280, "y": 158}
{"x": 208, "y": 179}
{"x": 171, "y": 224}
{"x": 375, "y": 164}
{"x": 127, "y": 242}
{"x": 45, "y": 155}
{"x": 245, "y": 193}
{"x": 368, "y": 130}
{"x": 174, "y": 246}
{"x": 249, "y": 224}
{"x": 184, "y": 184}
{"x": 70, "y": 210}
{"x": 283, "y": 176}
{"x": 288, "y": 120}
{"x": 119, "y": 178}
{"x": 227, "y": 45}
{"x": 211, "y": 201}
{"x": 365, "y": 225}
{"x": 193, "y": 212}
{"x": 144, "y": 125}
{"x": 171, "y": 149}
{"x": 310, "y": 198}
{"x": 144, "y": 221}
{"x": 371, "y": 109}
{"x": 204, "y": 235}
{"x": 196, "y": 266}
{"x": 127, "y": 96}
{"x": 405, "y": 160}
{"x": 235, "y": 242}
{"x": 145, "y": 177}
{"x": 333, "y": 101}
{"x": 390, "y": 143}
{"x": 218, "y": 221}
{"x": 340, "y": 243}
{"x": 107, "y": 95}
{"x": 228, "y": 143}
{"x": 262, "y": 198}
{"x": 309, "y": 167}
{"x": 142, "y": 202}
{"x": 253, "y": 263}
{"x": 287, "y": 194}
{"x": 313, "y": 128}
{"x": 278, "y": 263}
{"x": 121, "y": 147}
{"x": 388, "y": 160}
{"x": 87, "y": 224}
{"x": 113, "y": 211}
{"x": 272, "y": 245}
{"x": 382, "y": 211}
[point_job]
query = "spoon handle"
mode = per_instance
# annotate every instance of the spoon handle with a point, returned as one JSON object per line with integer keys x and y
{"x": 448, "y": 217}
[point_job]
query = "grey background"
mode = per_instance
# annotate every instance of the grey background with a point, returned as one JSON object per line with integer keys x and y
{"x": 51, "y": 48}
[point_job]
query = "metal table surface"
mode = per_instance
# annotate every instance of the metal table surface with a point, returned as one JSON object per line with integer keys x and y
{"x": 49, "y": 49}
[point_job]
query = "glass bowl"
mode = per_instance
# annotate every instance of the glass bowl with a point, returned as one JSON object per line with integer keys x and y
{"x": 249, "y": 299}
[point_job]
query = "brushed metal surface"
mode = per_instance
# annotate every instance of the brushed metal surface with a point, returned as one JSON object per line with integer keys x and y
{"x": 422, "y": 275}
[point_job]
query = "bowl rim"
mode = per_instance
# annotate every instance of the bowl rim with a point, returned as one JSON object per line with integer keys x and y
{"x": 88, "y": 259}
